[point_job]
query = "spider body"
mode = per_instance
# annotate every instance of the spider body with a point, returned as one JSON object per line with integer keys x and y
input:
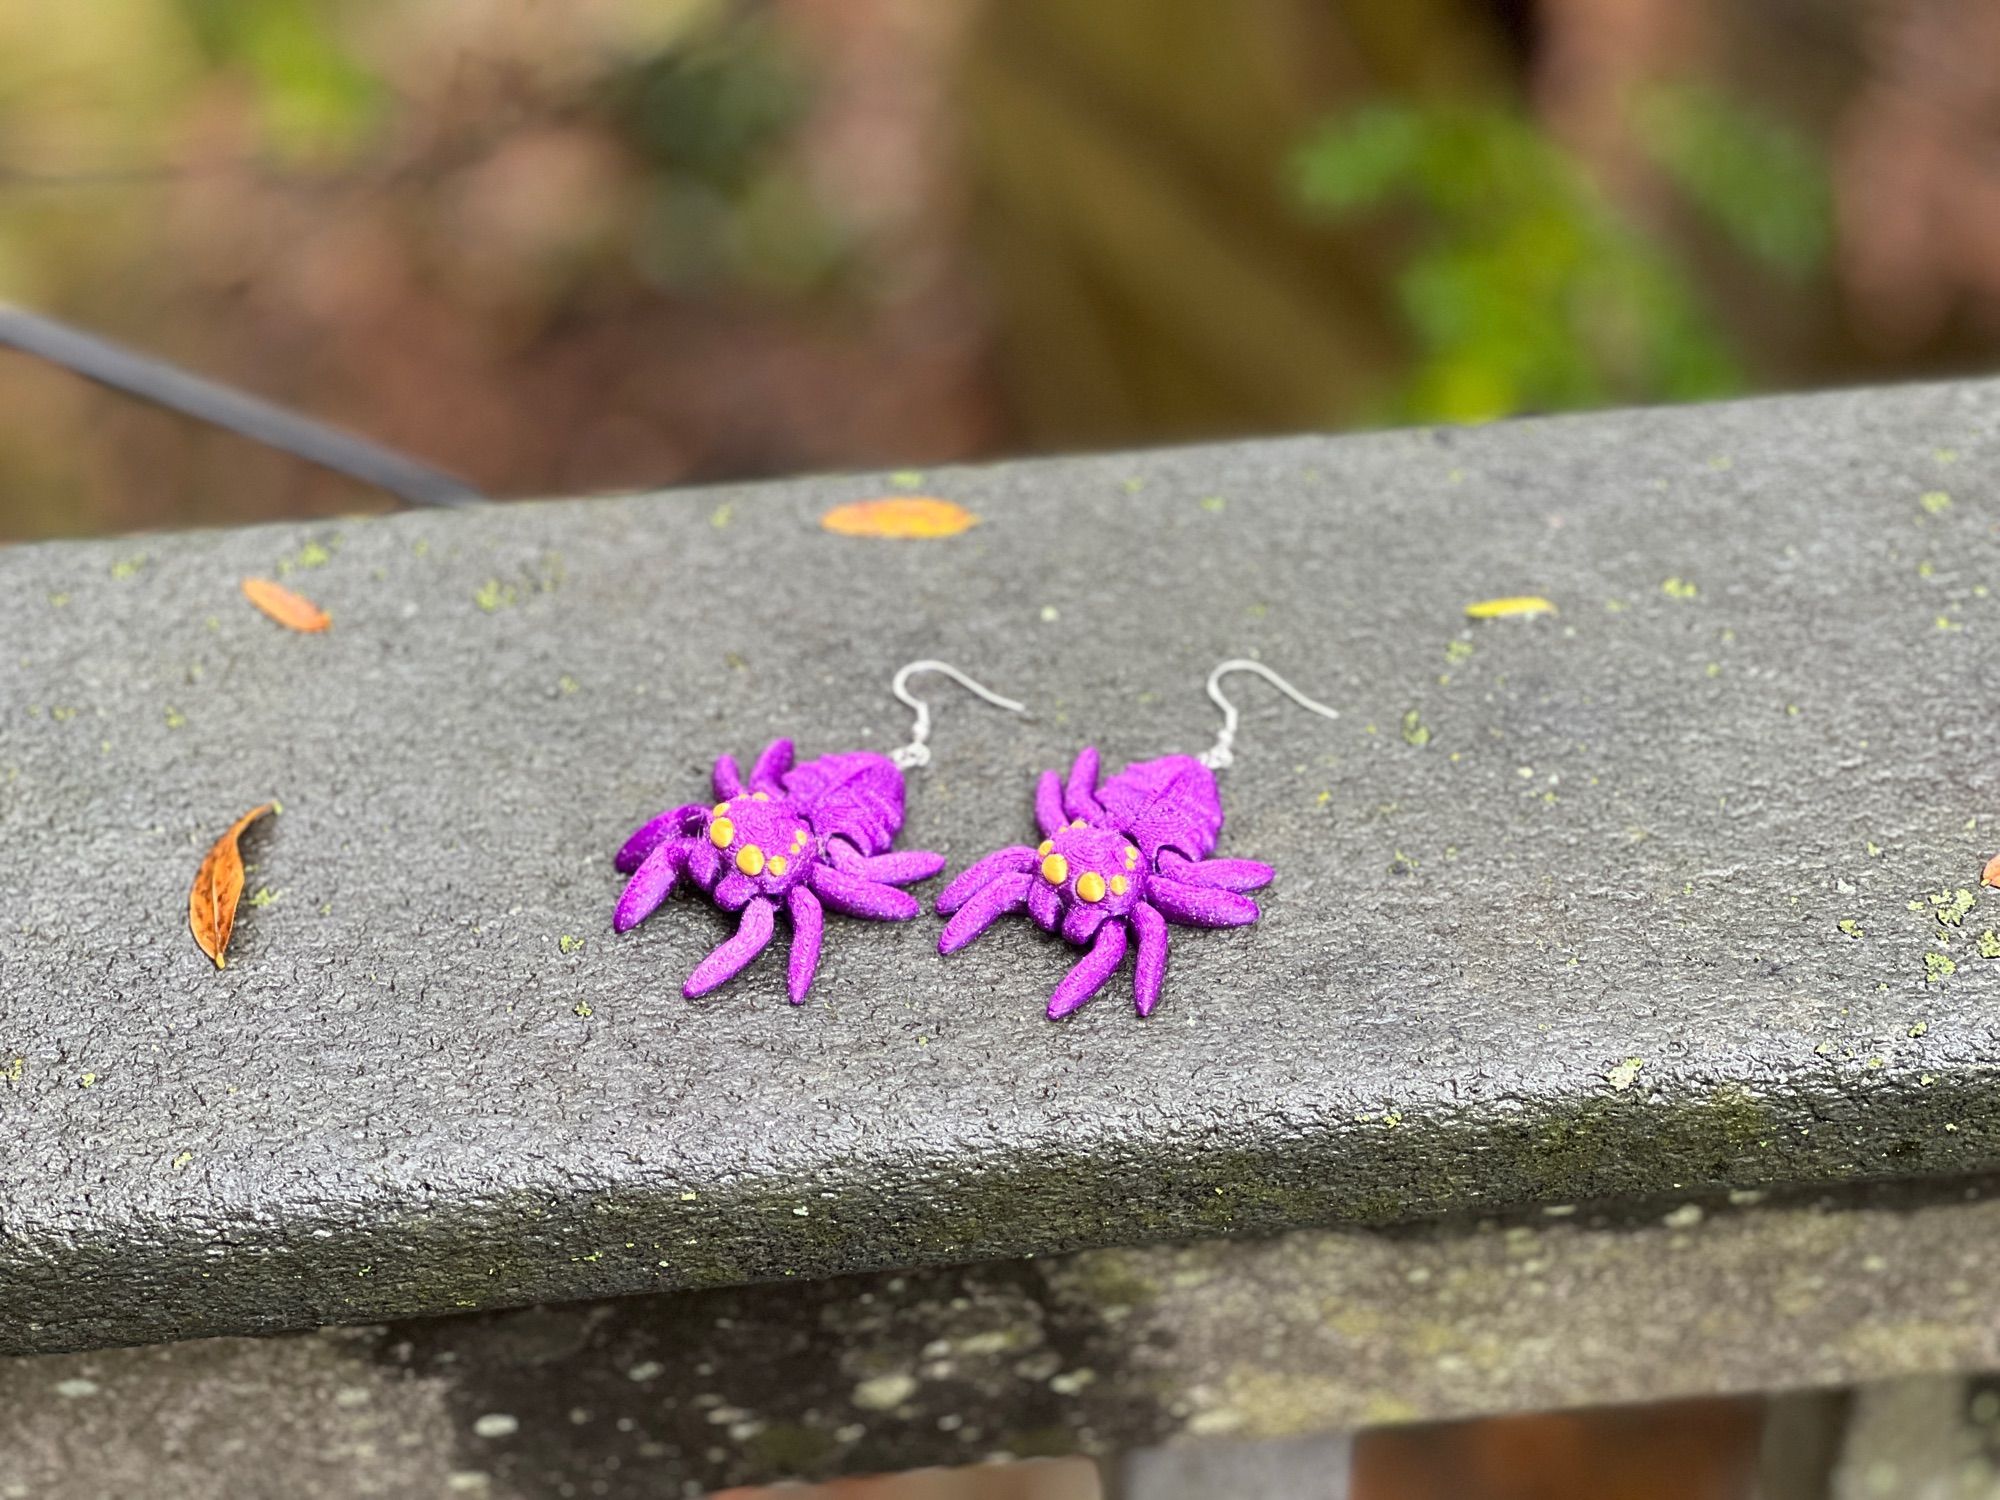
{"x": 802, "y": 837}
{"x": 1117, "y": 863}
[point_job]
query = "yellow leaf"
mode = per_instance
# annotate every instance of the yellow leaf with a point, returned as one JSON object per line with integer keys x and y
{"x": 293, "y": 611}
{"x": 1520, "y": 604}
{"x": 218, "y": 885}
{"x": 899, "y": 516}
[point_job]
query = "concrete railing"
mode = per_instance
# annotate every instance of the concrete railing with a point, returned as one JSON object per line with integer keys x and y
{"x": 1654, "y": 895}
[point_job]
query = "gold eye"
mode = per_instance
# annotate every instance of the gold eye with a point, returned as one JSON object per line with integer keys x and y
{"x": 750, "y": 860}
{"x": 721, "y": 809}
{"x": 1131, "y": 859}
{"x": 1047, "y": 848}
{"x": 1090, "y": 886}
{"x": 1055, "y": 869}
{"x": 779, "y": 864}
{"x": 1120, "y": 885}
{"x": 720, "y": 832}
{"x": 760, "y": 796}
{"x": 1077, "y": 823}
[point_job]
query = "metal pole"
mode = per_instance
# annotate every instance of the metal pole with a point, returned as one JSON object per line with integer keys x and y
{"x": 249, "y": 416}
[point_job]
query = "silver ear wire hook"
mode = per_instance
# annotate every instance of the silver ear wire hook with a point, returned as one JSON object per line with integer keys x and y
{"x": 918, "y": 751}
{"x": 1223, "y": 752}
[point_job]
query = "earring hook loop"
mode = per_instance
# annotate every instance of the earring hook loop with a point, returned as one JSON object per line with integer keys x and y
{"x": 1223, "y": 752}
{"x": 918, "y": 751}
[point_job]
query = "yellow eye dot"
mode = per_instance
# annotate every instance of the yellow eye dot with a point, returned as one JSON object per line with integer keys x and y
{"x": 799, "y": 840}
{"x": 720, "y": 832}
{"x": 779, "y": 864}
{"x": 1120, "y": 885}
{"x": 760, "y": 796}
{"x": 750, "y": 860}
{"x": 1131, "y": 859}
{"x": 1055, "y": 869}
{"x": 1090, "y": 886}
{"x": 722, "y": 809}
{"x": 1077, "y": 823}
{"x": 1047, "y": 848}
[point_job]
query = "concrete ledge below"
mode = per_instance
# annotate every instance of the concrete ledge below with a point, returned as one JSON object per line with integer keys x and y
{"x": 1099, "y": 1353}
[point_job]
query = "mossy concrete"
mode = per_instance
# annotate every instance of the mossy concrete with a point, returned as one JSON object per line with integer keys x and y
{"x": 1655, "y": 903}
{"x": 1097, "y": 1353}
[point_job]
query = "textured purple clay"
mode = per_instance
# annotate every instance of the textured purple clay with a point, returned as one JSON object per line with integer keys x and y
{"x": 803, "y": 837}
{"x": 1118, "y": 862}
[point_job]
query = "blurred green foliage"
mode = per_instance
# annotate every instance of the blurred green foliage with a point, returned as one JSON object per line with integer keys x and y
{"x": 314, "y": 98}
{"x": 692, "y": 108}
{"x": 712, "y": 123}
{"x": 282, "y": 190}
{"x": 1522, "y": 287}
{"x": 1765, "y": 184}
{"x": 298, "y": 195}
{"x": 715, "y": 109}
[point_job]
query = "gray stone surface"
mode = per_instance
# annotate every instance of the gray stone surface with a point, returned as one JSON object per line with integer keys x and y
{"x": 1557, "y": 915}
{"x": 1314, "y": 1468}
{"x": 1799, "y": 1448}
{"x": 1100, "y": 1353}
{"x": 1932, "y": 1439}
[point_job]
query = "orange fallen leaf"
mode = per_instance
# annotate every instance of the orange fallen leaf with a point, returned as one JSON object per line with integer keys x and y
{"x": 218, "y": 885}
{"x": 1991, "y": 874}
{"x": 293, "y": 611}
{"x": 900, "y": 516}
{"x": 1520, "y": 604}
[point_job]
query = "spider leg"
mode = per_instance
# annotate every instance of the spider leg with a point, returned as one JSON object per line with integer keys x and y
{"x": 704, "y": 864}
{"x": 1049, "y": 814}
{"x": 1200, "y": 905}
{"x": 1091, "y": 971}
{"x": 1081, "y": 925}
{"x": 1150, "y": 968}
{"x": 1044, "y": 905}
{"x": 993, "y": 901}
{"x": 1224, "y": 874}
{"x": 733, "y": 955}
{"x": 1080, "y": 792}
{"x": 900, "y": 866}
{"x": 650, "y": 884}
{"x": 767, "y": 772}
{"x": 981, "y": 873}
{"x": 728, "y": 779}
{"x": 808, "y": 922}
{"x": 858, "y": 896}
{"x": 734, "y": 890}
{"x": 651, "y": 835}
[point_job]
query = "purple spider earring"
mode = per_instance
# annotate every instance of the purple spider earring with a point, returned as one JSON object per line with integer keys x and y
{"x": 803, "y": 836}
{"x": 1131, "y": 853}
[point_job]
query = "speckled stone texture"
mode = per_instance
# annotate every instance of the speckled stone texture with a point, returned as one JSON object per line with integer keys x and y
{"x": 1103, "y": 1352}
{"x": 1558, "y": 913}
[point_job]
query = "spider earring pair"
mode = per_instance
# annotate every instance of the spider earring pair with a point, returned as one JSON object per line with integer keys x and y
{"x": 1128, "y": 853}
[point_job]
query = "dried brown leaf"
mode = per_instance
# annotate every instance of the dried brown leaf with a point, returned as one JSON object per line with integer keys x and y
{"x": 293, "y": 611}
{"x": 1991, "y": 874}
{"x": 218, "y": 886}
